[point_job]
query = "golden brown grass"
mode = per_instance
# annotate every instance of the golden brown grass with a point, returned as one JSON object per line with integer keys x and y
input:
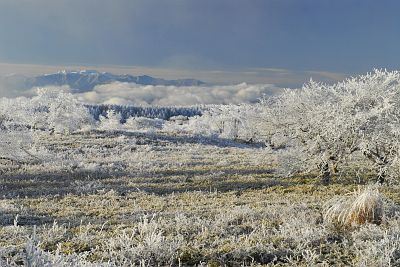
{"x": 359, "y": 207}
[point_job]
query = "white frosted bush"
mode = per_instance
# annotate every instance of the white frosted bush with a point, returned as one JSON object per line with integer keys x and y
{"x": 146, "y": 244}
{"x": 143, "y": 124}
{"x": 377, "y": 246}
{"x": 331, "y": 123}
{"x": 110, "y": 122}
{"x": 224, "y": 121}
{"x": 58, "y": 110}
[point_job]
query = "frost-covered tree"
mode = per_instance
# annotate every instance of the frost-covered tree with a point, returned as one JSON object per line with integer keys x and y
{"x": 58, "y": 110}
{"x": 54, "y": 110}
{"x": 323, "y": 125}
{"x": 111, "y": 122}
{"x": 16, "y": 140}
{"x": 237, "y": 122}
{"x": 373, "y": 107}
{"x": 304, "y": 123}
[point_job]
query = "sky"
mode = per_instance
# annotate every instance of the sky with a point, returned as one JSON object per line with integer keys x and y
{"x": 282, "y": 42}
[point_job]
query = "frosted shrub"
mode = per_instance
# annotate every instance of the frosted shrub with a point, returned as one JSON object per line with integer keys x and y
{"x": 16, "y": 140}
{"x": 15, "y": 113}
{"x": 290, "y": 161}
{"x": 195, "y": 125}
{"x": 357, "y": 208}
{"x": 224, "y": 121}
{"x": 331, "y": 123}
{"x": 375, "y": 246}
{"x": 59, "y": 110}
{"x": 52, "y": 109}
{"x": 110, "y": 122}
{"x": 144, "y": 245}
{"x": 143, "y": 124}
{"x": 236, "y": 122}
{"x": 34, "y": 256}
{"x": 23, "y": 120}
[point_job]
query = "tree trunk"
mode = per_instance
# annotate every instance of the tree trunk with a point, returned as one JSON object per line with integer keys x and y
{"x": 381, "y": 162}
{"x": 382, "y": 176}
{"x": 324, "y": 173}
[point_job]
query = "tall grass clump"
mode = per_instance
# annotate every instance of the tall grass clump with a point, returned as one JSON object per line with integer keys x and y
{"x": 357, "y": 208}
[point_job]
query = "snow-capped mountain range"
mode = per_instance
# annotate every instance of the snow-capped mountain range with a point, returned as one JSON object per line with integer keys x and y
{"x": 86, "y": 80}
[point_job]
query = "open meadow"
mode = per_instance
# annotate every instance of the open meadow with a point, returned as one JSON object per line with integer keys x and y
{"x": 124, "y": 198}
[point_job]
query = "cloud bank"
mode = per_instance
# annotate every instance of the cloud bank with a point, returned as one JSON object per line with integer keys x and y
{"x": 13, "y": 86}
{"x": 145, "y": 95}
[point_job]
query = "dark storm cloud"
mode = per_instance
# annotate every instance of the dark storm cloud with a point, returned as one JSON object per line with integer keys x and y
{"x": 342, "y": 36}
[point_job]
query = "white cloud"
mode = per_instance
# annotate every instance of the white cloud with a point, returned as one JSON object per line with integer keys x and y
{"x": 134, "y": 94}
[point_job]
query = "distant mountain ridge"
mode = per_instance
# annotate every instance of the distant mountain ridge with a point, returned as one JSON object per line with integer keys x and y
{"x": 86, "y": 80}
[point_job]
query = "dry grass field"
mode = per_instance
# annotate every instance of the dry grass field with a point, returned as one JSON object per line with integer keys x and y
{"x": 126, "y": 199}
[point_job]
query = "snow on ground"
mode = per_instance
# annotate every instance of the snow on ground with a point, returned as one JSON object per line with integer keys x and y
{"x": 151, "y": 157}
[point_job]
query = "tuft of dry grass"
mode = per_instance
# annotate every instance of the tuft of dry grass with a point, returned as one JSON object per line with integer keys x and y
{"x": 359, "y": 207}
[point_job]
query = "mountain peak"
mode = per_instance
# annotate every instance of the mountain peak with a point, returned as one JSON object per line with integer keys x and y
{"x": 89, "y": 72}
{"x": 86, "y": 80}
